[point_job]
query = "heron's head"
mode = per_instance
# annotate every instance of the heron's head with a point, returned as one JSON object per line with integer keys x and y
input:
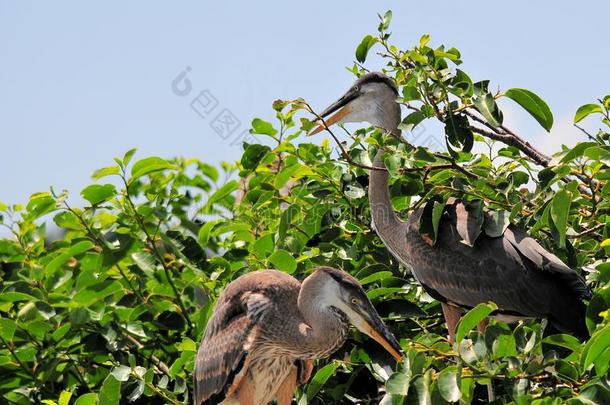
{"x": 344, "y": 293}
{"x": 372, "y": 99}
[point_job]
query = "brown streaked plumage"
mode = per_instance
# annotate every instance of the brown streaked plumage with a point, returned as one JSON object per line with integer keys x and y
{"x": 266, "y": 329}
{"x": 512, "y": 270}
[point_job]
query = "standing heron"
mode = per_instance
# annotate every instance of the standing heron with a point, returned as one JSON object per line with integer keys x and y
{"x": 512, "y": 270}
{"x": 267, "y": 327}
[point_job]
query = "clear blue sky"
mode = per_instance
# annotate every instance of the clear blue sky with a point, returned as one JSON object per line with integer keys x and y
{"x": 81, "y": 83}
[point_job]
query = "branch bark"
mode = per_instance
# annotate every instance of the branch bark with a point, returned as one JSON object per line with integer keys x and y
{"x": 508, "y": 137}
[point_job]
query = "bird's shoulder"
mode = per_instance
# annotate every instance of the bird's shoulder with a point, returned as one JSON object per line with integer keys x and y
{"x": 251, "y": 295}
{"x": 261, "y": 281}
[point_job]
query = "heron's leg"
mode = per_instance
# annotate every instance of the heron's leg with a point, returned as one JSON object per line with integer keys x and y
{"x": 452, "y": 316}
{"x": 245, "y": 392}
{"x": 305, "y": 367}
{"x": 286, "y": 390}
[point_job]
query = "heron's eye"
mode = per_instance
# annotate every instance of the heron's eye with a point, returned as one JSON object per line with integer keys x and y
{"x": 356, "y": 88}
{"x": 355, "y": 301}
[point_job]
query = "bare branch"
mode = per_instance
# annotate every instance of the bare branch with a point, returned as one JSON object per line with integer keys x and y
{"x": 508, "y": 137}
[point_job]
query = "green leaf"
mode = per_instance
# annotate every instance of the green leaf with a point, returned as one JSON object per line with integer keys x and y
{"x": 105, "y": 171}
{"x": 458, "y": 132}
{"x": 262, "y": 127}
{"x": 253, "y": 155}
{"x": 533, "y": 105}
{"x": 599, "y": 342}
{"x": 496, "y": 223}
{"x": 597, "y": 152}
{"x": 121, "y": 372}
{"x": 208, "y": 170}
{"x": 222, "y": 192}
{"x": 149, "y": 165}
{"x": 137, "y": 391}
{"x": 487, "y": 106}
{"x": 448, "y": 384}
{"x": 410, "y": 93}
{"x": 145, "y": 261}
{"x": 203, "y": 236}
{"x": 263, "y": 246}
{"x": 560, "y": 209}
{"x": 97, "y": 193}
{"x": 7, "y": 328}
{"x": 286, "y": 219}
{"x": 283, "y": 261}
{"x": 481, "y": 87}
{"x": 423, "y": 41}
{"x": 14, "y": 296}
{"x": 320, "y": 378}
{"x": 40, "y": 204}
{"x": 385, "y": 21}
{"x": 363, "y": 49}
{"x": 295, "y": 170}
{"x": 380, "y": 275}
{"x": 87, "y": 399}
{"x": 563, "y": 340}
{"x": 354, "y": 192}
{"x": 411, "y": 121}
{"x": 586, "y": 110}
{"x": 462, "y": 84}
{"x": 187, "y": 345}
{"x": 472, "y": 318}
{"x": 430, "y": 219}
{"x": 64, "y": 397}
{"x": 422, "y": 386}
{"x": 110, "y": 393}
{"x": 62, "y": 258}
{"x": 577, "y": 151}
{"x": 128, "y": 155}
{"x": 398, "y": 383}
{"x": 67, "y": 220}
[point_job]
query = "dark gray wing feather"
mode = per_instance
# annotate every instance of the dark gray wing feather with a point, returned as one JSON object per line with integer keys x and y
{"x": 512, "y": 270}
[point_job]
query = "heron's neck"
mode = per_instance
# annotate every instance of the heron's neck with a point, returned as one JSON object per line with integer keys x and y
{"x": 387, "y": 224}
{"x": 323, "y": 329}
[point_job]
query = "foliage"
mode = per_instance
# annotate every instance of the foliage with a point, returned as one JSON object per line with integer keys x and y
{"x": 112, "y": 310}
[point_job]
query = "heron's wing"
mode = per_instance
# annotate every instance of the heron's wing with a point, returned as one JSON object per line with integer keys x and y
{"x": 467, "y": 267}
{"x": 545, "y": 261}
{"x": 513, "y": 248}
{"x": 222, "y": 359}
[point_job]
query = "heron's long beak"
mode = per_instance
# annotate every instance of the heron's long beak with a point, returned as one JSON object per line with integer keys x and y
{"x": 376, "y": 329}
{"x": 341, "y": 106}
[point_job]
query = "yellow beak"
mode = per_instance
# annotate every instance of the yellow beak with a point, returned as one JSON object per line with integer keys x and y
{"x": 324, "y": 124}
{"x": 391, "y": 347}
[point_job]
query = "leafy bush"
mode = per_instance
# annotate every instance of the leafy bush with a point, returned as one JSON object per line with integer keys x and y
{"x": 112, "y": 310}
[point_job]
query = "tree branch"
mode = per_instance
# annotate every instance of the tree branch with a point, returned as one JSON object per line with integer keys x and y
{"x": 508, "y": 137}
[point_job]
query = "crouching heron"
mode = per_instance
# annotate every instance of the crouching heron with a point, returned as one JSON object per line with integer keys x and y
{"x": 267, "y": 327}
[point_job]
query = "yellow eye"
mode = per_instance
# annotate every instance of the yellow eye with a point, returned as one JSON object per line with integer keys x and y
{"x": 356, "y": 88}
{"x": 355, "y": 301}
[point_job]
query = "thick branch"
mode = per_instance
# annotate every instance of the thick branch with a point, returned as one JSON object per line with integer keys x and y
{"x": 508, "y": 137}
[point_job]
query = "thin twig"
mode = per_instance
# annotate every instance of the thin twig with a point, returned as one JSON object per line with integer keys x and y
{"x": 160, "y": 365}
{"x": 153, "y": 247}
{"x": 588, "y": 231}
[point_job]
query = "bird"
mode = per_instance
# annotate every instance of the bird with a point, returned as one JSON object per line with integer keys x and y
{"x": 267, "y": 328}
{"x": 512, "y": 270}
